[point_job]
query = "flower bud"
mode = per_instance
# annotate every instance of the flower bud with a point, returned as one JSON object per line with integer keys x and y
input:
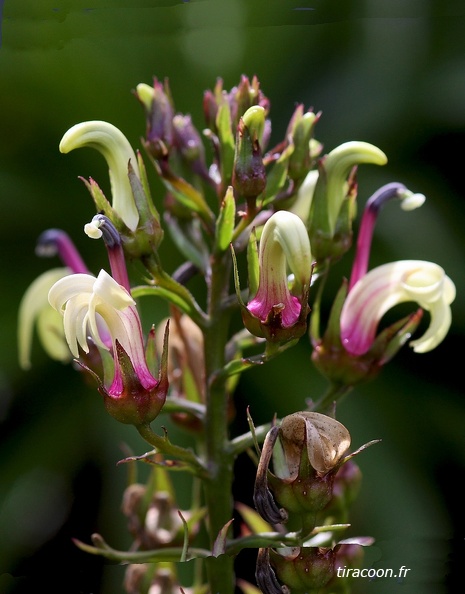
{"x": 159, "y": 111}
{"x": 300, "y": 129}
{"x": 211, "y": 102}
{"x": 188, "y": 142}
{"x": 274, "y": 312}
{"x": 249, "y": 176}
{"x": 246, "y": 95}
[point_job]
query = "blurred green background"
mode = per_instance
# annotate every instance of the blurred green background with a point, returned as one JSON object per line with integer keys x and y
{"x": 391, "y": 73}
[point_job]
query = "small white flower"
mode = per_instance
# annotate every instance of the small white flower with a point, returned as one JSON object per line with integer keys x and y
{"x": 103, "y": 310}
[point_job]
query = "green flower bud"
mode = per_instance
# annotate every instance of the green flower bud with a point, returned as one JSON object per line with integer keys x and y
{"x": 249, "y": 176}
{"x": 301, "y": 129}
{"x": 159, "y": 111}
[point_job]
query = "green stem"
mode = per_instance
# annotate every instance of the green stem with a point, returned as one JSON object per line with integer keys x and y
{"x": 165, "y": 447}
{"x": 316, "y": 308}
{"x": 244, "y": 222}
{"x": 334, "y": 393}
{"x": 218, "y": 486}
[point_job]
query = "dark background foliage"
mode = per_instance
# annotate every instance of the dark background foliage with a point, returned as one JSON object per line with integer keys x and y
{"x": 391, "y": 73}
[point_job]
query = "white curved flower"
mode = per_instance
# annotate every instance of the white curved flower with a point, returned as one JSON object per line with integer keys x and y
{"x": 284, "y": 242}
{"x": 384, "y": 287}
{"x": 116, "y": 149}
{"x": 93, "y": 307}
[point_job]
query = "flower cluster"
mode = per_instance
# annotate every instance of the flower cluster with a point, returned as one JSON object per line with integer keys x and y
{"x": 286, "y": 214}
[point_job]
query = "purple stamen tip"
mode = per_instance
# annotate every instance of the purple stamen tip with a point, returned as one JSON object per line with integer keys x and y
{"x": 56, "y": 242}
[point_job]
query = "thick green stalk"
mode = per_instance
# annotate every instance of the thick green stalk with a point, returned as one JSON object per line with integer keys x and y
{"x": 219, "y": 458}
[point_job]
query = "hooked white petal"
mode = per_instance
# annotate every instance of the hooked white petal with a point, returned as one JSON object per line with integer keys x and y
{"x": 111, "y": 292}
{"x": 68, "y": 287}
{"x": 117, "y": 150}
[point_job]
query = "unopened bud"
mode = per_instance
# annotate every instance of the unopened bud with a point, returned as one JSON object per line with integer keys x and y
{"x": 249, "y": 176}
{"x": 159, "y": 112}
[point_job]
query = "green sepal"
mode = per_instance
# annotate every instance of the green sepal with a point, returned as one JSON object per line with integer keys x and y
{"x": 151, "y": 353}
{"x": 147, "y": 195}
{"x": 391, "y": 339}
{"x": 227, "y": 142}
{"x": 237, "y": 285}
{"x": 103, "y": 205}
{"x": 149, "y": 233}
{"x": 253, "y": 267}
{"x": 300, "y": 161}
{"x": 188, "y": 196}
{"x": 185, "y": 193}
{"x": 344, "y": 370}
{"x": 253, "y": 432}
{"x": 278, "y": 175}
{"x": 225, "y": 222}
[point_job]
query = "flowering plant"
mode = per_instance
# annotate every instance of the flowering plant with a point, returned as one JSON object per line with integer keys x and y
{"x": 286, "y": 214}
